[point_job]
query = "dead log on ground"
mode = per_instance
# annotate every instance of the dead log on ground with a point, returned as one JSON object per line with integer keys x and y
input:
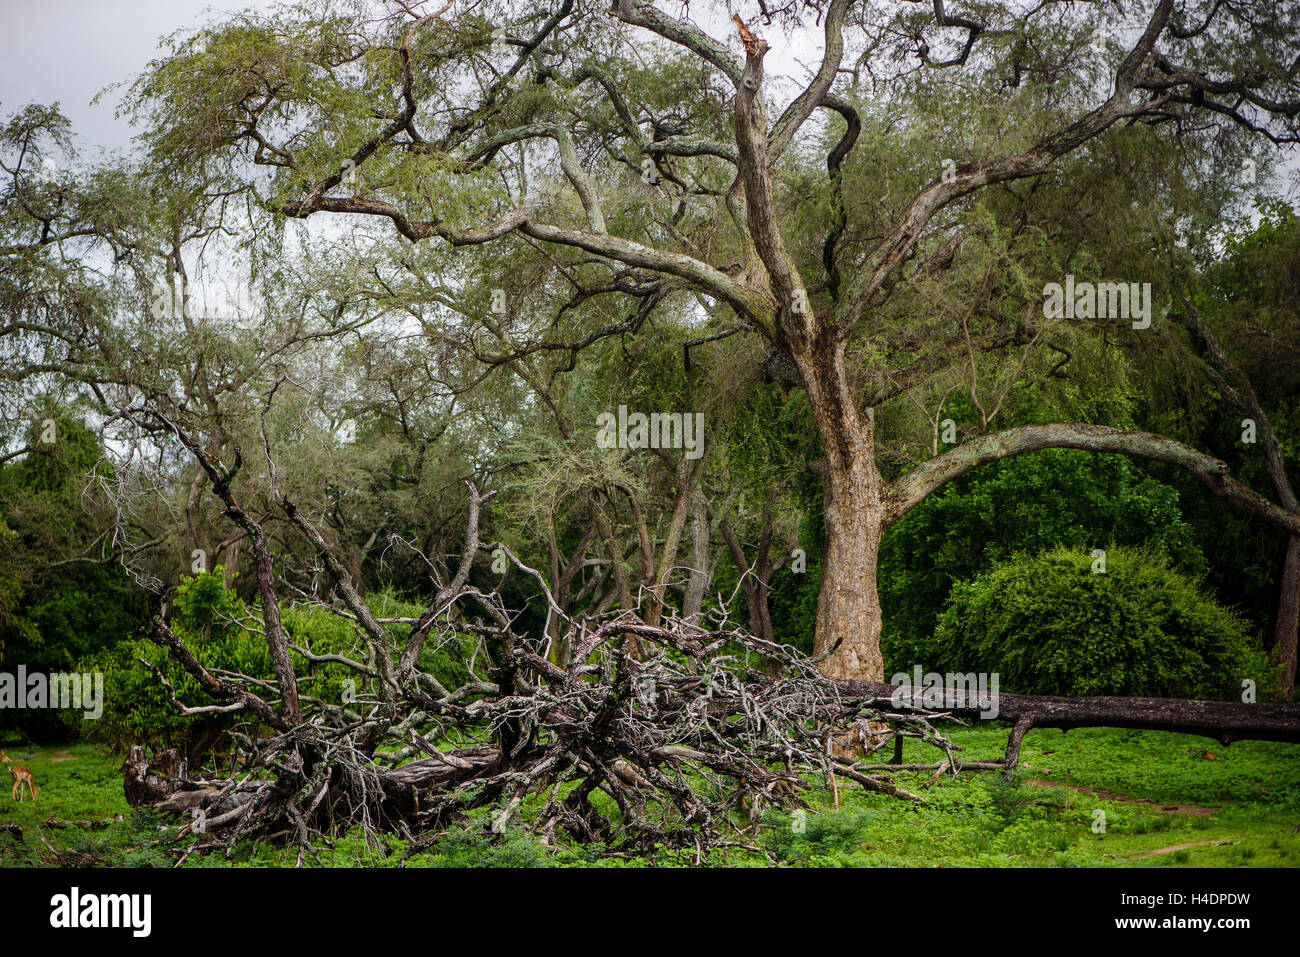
{"x": 1224, "y": 721}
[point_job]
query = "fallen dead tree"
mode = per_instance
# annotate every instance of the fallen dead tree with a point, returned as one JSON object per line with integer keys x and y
{"x": 684, "y": 728}
{"x": 643, "y": 736}
{"x": 680, "y": 735}
{"x": 677, "y": 734}
{"x": 1224, "y": 721}
{"x": 671, "y": 723}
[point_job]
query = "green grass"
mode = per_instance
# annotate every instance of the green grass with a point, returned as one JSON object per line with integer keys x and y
{"x": 77, "y": 782}
{"x": 978, "y": 819}
{"x": 988, "y": 820}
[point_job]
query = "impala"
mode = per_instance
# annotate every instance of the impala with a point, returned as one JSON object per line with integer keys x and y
{"x": 22, "y": 775}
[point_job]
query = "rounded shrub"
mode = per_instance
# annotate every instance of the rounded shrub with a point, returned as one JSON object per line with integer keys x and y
{"x": 1051, "y": 624}
{"x": 1021, "y": 505}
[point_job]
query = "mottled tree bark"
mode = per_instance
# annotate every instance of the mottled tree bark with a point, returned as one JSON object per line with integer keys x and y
{"x": 1286, "y": 623}
{"x": 698, "y": 582}
{"x": 848, "y": 606}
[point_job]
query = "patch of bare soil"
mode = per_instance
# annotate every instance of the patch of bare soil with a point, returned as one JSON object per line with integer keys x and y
{"x": 1180, "y": 847}
{"x": 1194, "y": 810}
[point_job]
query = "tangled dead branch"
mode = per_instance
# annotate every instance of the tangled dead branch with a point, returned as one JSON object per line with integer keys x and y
{"x": 685, "y": 744}
{"x": 681, "y": 734}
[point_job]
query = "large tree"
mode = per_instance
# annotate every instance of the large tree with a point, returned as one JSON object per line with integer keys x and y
{"x": 445, "y": 122}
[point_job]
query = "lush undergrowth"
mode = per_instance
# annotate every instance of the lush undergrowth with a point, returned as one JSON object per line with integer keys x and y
{"x": 1165, "y": 800}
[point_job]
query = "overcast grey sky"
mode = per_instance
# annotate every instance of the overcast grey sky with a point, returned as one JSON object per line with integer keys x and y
{"x": 69, "y": 50}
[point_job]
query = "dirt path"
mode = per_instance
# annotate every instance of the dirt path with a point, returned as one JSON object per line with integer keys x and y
{"x": 1181, "y": 847}
{"x": 1194, "y": 810}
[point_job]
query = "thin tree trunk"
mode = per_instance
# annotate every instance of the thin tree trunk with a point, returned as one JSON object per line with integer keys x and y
{"x": 606, "y": 533}
{"x": 752, "y": 583}
{"x": 699, "y": 579}
{"x": 1238, "y": 389}
{"x": 688, "y": 476}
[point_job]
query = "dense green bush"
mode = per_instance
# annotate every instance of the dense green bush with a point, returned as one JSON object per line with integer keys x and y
{"x": 62, "y": 597}
{"x": 1022, "y": 505}
{"x": 211, "y": 620}
{"x": 1050, "y": 625}
{"x": 77, "y": 612}
{"x": 226, "y": 636}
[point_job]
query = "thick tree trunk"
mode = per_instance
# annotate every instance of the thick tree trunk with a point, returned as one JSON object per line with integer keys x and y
{"x": 1286, "y": 624}
{"x": 848, "y": 608}
{"x": 848, "y": 605}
